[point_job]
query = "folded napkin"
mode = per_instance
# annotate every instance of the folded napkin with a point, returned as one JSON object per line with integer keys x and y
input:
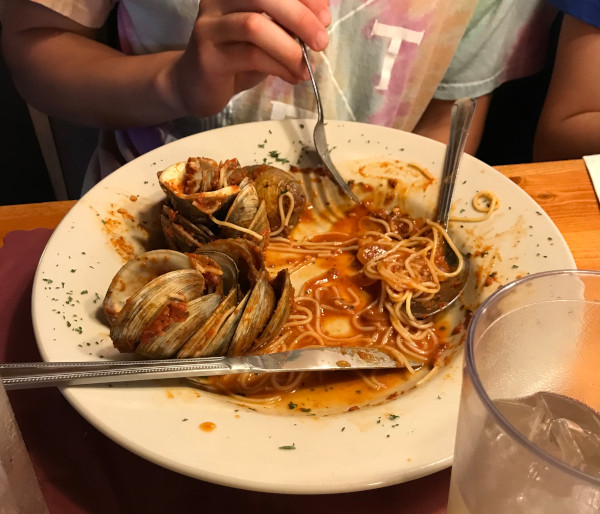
{"x": 81, "y": 471}
{"x": 592, "y": 163}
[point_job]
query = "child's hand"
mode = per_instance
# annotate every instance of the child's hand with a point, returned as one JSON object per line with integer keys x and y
{"x": 236, "y": 43}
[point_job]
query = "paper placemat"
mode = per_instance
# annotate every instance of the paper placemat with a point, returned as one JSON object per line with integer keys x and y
{"x": 592, "y": 163}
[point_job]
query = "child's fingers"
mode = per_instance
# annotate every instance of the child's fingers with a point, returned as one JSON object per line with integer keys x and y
{"x": 299, "y": 17}
{"x": 240, "y": 58}
{"x": 256, "y": 30}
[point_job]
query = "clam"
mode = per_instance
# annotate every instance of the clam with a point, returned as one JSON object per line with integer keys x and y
{"x": 219, "y": 270}
{"x": 247, "y": 217}
{"x": 164, "y": 344}
{"x": 167, "y": 304}
{"x": 158, "y": 300}
{"x": 284, "y": 294}
{"x": 152, "y": 301}
{"x": 257, "y": 312}
{"x": 136, "y": 273}
{"x": 210, "y": 294}
{"x": 283, "y": 195}
{"x": 195, "y": 190}
{"x": 214, "y": 336}
{"x": 247, "y": 257}
{"x": 207, "y": 201}
{"x": 180, "y": 233}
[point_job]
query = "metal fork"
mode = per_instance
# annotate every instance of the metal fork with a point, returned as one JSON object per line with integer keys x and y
{"x": 319, "y": 135}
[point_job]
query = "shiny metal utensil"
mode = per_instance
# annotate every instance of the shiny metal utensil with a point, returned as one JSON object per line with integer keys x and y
{"x": 451, "y": 288}
{"x": 319, "y": 137}
{"x": 43, "y": 374}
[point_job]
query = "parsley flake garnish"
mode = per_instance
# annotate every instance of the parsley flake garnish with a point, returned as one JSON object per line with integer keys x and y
{"x": 275, "y": 155}
{"x": 288, "y": 447}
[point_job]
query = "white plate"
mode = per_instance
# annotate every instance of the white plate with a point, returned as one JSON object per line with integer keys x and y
{"x": 367, "y": 448}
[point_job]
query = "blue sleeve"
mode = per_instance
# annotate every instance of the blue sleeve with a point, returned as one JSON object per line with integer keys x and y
{"x": 584, "y": 10}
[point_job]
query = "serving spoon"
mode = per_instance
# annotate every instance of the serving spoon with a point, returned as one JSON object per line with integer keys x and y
{"x": 451, "y": 288}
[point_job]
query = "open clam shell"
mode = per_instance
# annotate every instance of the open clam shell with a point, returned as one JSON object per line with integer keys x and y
{"x": 247, "y": 217}
{"x": 283, "y": 195}
{"x": 242, "y": 211}
{"x": 183, "y": 184}
{"x": 284, "y": 293}
{"x": 136, "y": 273}
{"x": 229, "y": 273}
{"x": 246, "y": 256}
{"x": 256, "y": 314}
{"x": 147, "y": 303}
{"x": 180, "y": 233}
{"x": 210, "y": 337}
{"x": 164, "y": 344}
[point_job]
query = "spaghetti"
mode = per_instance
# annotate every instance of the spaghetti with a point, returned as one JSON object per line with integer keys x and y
{"x": 378, "y": 264}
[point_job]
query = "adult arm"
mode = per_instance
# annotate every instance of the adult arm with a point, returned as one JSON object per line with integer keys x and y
{"x": 435, "y": 122}
{"x": 569, "y": 125}
{"x": 59, "y": 68}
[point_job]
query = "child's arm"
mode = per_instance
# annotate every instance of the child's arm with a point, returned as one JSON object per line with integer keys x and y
{"x": 61, "y": 70}
{"x": 569, "y": 126}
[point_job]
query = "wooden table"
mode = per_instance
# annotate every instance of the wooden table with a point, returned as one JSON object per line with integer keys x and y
{"x": 563, "y": 189}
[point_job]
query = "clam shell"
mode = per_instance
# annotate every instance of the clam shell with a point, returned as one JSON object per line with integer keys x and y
{"x": 195, "y": 206}
{"x": 256, "y": 314}
{"x": 204, "y": 338}
{"x": 219, "y": 345}
{"x": 202, "y": 174}
{"x": 246, "y": 256}
{"x": 147, "y": 303}
{"x": 284, "y": 292}
{"x": 135, "y": 274}
{"x": 242, "y": 211}
{"x": 260, "y": 225}
{"x": 166, "y": 344}
{"x": 229, "y": 271}
{"x": 180, "y": 233}
{"x": 271, "y": 183}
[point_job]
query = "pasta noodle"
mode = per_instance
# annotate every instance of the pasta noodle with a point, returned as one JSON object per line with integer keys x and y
{"x": 374, "y": 267}
{"x": 380, "y": 267}
{"x": 480, "y": 206}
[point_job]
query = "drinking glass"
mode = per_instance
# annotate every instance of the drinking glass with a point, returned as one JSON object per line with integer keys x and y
{"x": 19, "y": 490}
{"x": 528, "y": 436}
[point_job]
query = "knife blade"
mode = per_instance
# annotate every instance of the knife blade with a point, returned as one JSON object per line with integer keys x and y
{"x": 44, "y": 374}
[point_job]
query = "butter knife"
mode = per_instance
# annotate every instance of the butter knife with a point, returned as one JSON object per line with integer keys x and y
{"x": 43, "y": 374}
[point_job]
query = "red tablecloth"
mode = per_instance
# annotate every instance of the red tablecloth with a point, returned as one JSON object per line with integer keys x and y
{"x": 82, "y": 471}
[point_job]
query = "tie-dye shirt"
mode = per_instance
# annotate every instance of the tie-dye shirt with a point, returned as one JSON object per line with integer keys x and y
{"x": 385, "y": 61}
